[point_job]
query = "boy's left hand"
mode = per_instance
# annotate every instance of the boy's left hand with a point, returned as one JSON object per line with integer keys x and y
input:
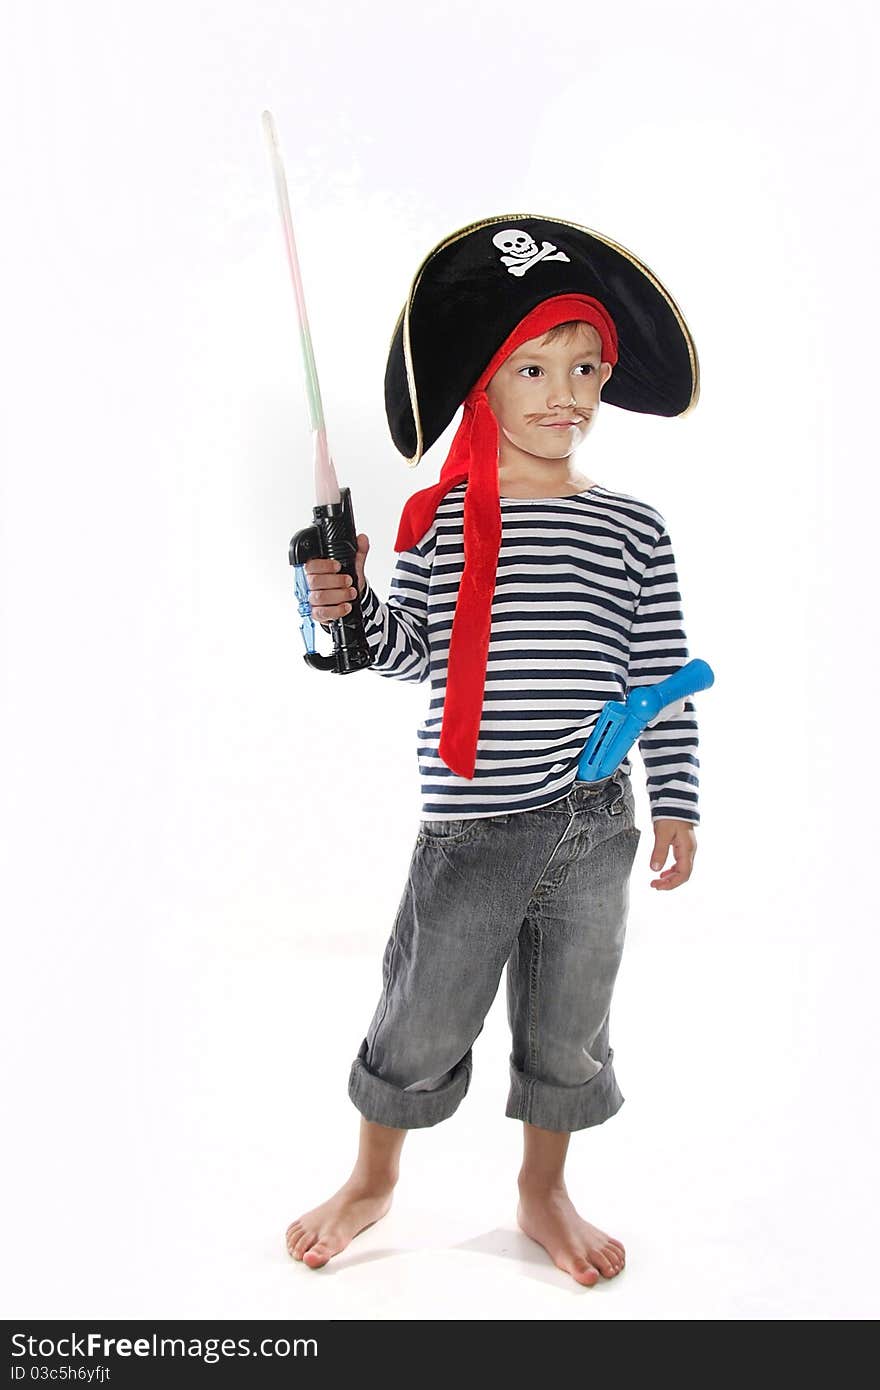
{"x": 681, "y": 835}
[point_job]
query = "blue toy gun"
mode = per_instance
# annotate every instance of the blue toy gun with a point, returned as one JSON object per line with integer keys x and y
{"x": 620, "y": 723}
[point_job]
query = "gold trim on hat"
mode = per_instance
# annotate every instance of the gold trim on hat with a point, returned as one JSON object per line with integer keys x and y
{"x": 563, "y": 222}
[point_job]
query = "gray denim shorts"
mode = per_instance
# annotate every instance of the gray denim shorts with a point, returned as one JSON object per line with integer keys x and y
{"x": 544, "y": 892}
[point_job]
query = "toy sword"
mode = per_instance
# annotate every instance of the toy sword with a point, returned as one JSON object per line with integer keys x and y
{"x": 333, "y": 533}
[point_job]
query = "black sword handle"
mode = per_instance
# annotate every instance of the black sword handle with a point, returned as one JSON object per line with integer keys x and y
{"x": 333, "y": 536}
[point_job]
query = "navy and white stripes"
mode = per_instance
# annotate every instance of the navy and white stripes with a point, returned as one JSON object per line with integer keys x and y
{"x": 586, "y": 606}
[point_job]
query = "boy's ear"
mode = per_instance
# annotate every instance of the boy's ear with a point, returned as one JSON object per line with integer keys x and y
{"x": 607, "y": 370}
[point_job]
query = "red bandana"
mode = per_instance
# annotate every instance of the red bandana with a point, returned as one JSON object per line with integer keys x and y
{"x": 474, "y": 456}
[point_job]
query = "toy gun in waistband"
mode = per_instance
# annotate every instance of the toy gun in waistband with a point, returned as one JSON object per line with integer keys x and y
{"x": 333, "y": 534}
{"x": 621, "y": 722}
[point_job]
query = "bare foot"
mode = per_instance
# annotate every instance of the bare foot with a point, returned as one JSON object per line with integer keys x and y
{"x": 322, "y": 1233}
{"x": 582, "y": 1250}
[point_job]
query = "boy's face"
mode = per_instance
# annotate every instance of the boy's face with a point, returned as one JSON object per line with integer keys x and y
{"x": 559, "y": 381}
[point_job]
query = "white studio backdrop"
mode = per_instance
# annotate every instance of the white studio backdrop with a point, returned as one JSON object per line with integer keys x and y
{"x": 204, "y": 842}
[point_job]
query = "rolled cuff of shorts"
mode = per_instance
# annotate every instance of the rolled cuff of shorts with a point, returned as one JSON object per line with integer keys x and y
{"x": 564, "y": 1108}
{"x": 386, "y": 1104}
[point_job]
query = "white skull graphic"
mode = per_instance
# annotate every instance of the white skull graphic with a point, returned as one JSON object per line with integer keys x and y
{"x": 515, "y": 243}
{"x": 519, "y": 251}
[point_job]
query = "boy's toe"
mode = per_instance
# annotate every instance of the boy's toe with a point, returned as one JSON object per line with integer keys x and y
{"x": 603, "y": 1263}
{"x": 305, "y": 1240}
{"x": 318, "y": 1255}
{"x": 583, "y": 1271}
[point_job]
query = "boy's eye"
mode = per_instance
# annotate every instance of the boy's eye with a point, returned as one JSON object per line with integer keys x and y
{"x": 533, "y": 368}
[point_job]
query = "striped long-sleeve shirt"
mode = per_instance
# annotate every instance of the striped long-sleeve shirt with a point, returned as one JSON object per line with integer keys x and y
{"x": 586, "y": 607}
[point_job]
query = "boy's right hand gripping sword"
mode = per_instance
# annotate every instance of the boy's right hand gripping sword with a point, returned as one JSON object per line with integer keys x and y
{"x": 333, "y": 533}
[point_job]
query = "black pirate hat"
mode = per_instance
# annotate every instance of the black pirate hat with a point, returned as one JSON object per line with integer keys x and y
{"x": 474, "y": 287}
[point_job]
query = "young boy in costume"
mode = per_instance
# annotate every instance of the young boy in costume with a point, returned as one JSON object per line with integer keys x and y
{"x": 529, "y": 596}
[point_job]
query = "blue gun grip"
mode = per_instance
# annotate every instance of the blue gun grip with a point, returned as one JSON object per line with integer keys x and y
{"x": 307, "y": 626}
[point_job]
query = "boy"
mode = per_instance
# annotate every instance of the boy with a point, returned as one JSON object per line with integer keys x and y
{"x": 529, "y": 595}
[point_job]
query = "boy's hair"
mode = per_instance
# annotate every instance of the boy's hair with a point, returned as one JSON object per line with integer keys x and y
{"x": 563, "y": 329}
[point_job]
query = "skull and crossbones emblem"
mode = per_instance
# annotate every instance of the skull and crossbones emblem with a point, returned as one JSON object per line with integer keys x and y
{"x": 521, "y": 252}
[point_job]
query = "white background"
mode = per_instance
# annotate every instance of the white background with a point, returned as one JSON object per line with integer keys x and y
{"x": 204, "y": 843}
